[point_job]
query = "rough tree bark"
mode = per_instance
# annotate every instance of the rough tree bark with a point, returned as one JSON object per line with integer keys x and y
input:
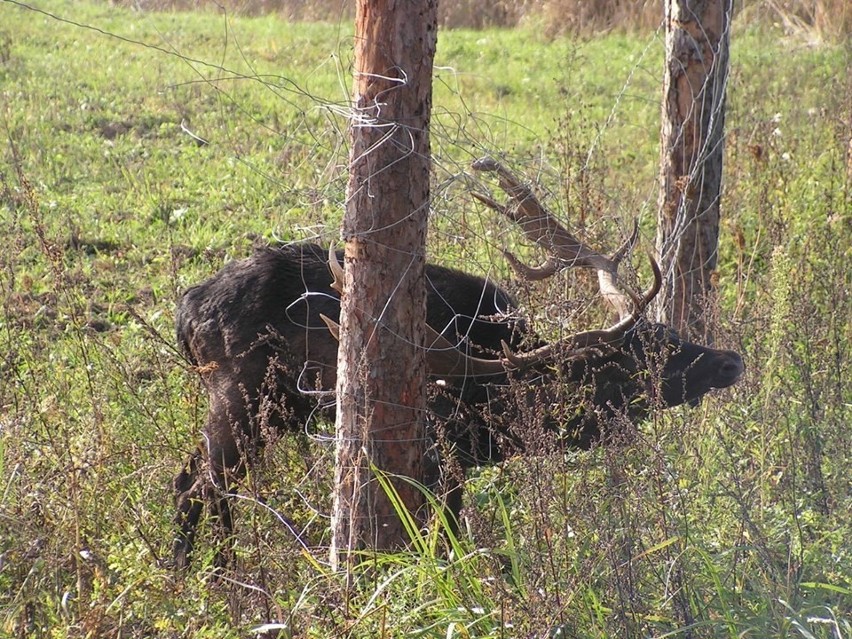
{"x": 381, "y": 369}
{"x": 692, "y": 145}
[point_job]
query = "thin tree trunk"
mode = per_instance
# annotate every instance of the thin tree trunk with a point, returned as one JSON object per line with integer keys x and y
{"x": 381, "y": 368}
{"x": 692, "y": 146}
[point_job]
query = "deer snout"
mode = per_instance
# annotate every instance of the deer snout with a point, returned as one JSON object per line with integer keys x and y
{"x": 731, "y": 368}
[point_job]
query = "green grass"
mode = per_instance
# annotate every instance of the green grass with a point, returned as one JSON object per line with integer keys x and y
{"x": 729, "y": 520}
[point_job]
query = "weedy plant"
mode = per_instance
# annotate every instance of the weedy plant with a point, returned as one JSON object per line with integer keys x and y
{"x": 728, "y": 520}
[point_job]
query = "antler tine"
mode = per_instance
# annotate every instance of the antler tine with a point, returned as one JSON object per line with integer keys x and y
{"x": 531, "y": 273}
{"x": 336, "y": 271}
{"x": 333, "y": 327}
{"x": 446, "y": 359}
{"x": 628, "y": 244}
{"x": 632, "y": 316}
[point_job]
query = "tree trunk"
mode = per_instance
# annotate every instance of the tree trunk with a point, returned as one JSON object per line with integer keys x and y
{"x": 381, "y": 367}
{"x": 692, "y": 145}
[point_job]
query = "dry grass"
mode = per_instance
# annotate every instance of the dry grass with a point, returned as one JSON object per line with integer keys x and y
{"x": 818, "y": 19}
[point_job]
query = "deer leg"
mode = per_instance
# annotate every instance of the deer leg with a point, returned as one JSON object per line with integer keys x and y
{"x": 453, "y": 493}
{"x": 226, "y": 466}
{"x": 189, "y": 502}
{"x": 205, "y": 480}
{"x": 222, "y": 523}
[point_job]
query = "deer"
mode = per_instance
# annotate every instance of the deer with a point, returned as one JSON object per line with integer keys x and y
{"x": 262, "y": 335}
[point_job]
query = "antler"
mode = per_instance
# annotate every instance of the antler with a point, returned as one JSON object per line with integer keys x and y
{"x": 443, "y": 357}
{"x": 565, "y": 251}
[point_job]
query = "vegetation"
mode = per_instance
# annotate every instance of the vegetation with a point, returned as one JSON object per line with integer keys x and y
{"x": 733, "y": 519}
{"x": 818, "y": 19}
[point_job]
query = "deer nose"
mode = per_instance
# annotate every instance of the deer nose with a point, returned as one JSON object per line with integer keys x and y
{"x": 731, "y": 368}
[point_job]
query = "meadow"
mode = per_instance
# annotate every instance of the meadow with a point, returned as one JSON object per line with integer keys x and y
{"x": 141, "y": 151}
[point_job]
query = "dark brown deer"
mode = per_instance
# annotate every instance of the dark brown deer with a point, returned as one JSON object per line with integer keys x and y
{"x": 260, "y": 333}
